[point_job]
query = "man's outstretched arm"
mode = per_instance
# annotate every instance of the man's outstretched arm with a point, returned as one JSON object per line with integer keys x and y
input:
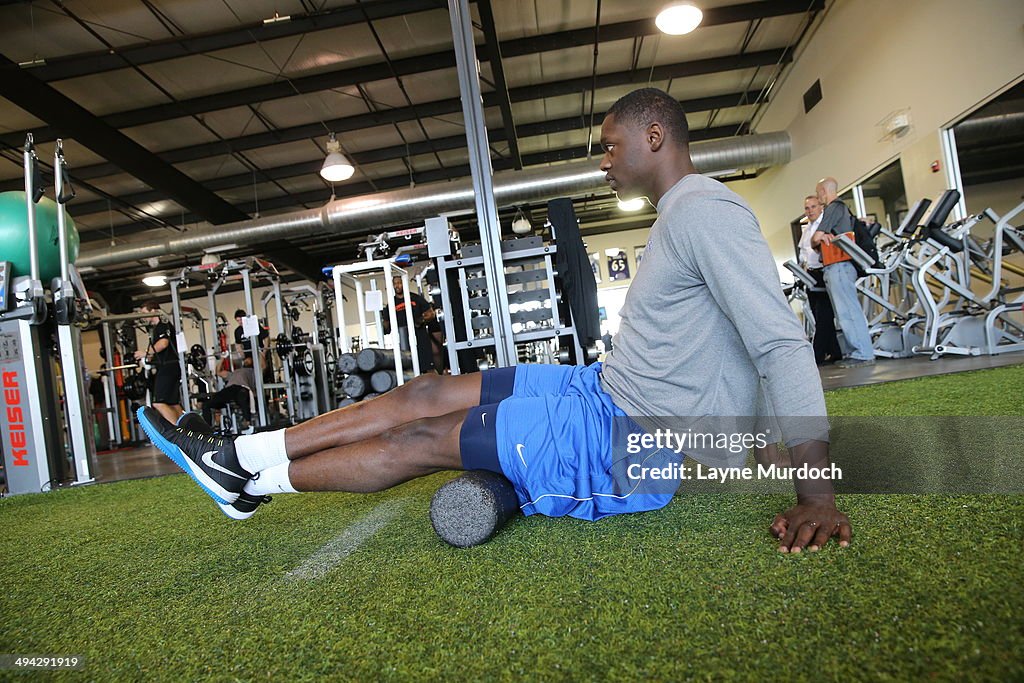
{"x": 741, "y": 275}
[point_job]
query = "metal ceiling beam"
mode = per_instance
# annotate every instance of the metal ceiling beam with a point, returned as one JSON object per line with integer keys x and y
{"x": 135, "y": 292}
{"x": 357, "y": 215}
{"x": 450, "y": 106}
{"x": 493, "y": 48}
{"x": 83, "y": 64}
{"x": 713, "y": 16}
{"x": 423, "y": 63}
{"x": 319, "y": 196}
{"x": 697, "y": 67}
{"x": 401, "y": 151}
{"x": 42, "y": 101}
{"x": 281, "y": 89}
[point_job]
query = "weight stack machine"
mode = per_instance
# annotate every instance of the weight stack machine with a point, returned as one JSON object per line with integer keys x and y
{"x": 552, "y": 295}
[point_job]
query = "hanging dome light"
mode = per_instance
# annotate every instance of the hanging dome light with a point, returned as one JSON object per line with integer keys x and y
{"x": 678, "y": 18}
{"x": 521, "y": 224}
{"x": 337, "y": 167}
{"x": 632, "y": 204}
{"x": 155, "y": 280}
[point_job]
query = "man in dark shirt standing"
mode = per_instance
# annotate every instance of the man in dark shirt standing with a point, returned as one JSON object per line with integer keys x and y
{"x": 162, "y": 354}
{"x": 244, "y": 342}
{"x": 424, "y": 319}
{"x": 841, "y": 278}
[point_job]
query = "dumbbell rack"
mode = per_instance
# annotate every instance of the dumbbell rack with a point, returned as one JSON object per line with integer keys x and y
{"x": 532, "y": 297}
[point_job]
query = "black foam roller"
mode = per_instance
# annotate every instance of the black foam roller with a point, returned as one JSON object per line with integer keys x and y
{"x": 347, "y": 363}
{"x": 373, "y": 358}
{"x": 383, "y": 380}
{"x": 471, "y": 508}
{"x": 355, "y": 385}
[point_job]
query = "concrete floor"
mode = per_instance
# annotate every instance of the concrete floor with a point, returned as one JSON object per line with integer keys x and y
{"x": 147, "y": 461}
{"x": 134, "y": 463}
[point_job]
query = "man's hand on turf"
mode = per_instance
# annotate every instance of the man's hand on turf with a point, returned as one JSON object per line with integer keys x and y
{"x": 809, "y": 524}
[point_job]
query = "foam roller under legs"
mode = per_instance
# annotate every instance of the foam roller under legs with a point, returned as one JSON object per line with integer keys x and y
{"x": 470, "y": 509}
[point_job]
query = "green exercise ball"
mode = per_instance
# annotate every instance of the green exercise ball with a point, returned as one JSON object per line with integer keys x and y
{"x": 14, "y": 236}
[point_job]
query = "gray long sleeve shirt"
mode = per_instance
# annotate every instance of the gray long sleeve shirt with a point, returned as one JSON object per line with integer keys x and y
{"x": 705, "y": 324}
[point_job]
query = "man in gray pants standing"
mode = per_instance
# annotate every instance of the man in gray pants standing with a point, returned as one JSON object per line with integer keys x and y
{"x": 841, "y": 278}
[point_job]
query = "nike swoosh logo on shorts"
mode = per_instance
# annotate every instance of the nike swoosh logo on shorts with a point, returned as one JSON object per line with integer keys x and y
{"x": 207, "y": 459}
{"x": 519, "y": 450}
{"x": 483, "y": 418}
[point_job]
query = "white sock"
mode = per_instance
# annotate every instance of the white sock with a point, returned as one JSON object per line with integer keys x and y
{"x": 270, "y": 481}
{"x": 257, "y": 452}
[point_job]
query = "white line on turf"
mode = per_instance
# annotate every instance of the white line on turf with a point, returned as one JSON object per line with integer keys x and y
{"x": 342, "y": 545}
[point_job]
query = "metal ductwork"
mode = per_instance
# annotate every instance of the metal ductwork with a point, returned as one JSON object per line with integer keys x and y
{"x": 372, "y": 212}
{"x": 992, "y": 130}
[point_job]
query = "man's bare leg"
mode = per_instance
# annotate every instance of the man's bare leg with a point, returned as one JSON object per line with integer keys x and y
{"x": 407, "y": 451}
{"x": 426, "y": 396}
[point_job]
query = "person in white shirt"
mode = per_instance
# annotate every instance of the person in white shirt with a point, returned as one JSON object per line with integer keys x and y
{"x": 826, "y": 343}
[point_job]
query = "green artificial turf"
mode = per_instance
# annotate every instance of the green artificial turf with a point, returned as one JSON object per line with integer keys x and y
{"x": 150, "y": 582}
{"x": 980, "y": 392}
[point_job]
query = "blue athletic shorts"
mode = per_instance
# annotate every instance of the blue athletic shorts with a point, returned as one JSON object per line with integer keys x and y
{"x": 554, "y": 433}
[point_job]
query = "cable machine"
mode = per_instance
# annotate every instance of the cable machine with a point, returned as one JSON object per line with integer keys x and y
{"x": 45, "y": 426}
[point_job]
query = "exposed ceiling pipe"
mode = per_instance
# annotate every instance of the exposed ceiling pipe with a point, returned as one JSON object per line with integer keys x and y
{"x": 996, "y": 128}
{"x": 371, "y": 212}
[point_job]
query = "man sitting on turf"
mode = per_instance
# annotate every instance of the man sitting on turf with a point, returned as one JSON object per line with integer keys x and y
{"x": 707, "y": 271}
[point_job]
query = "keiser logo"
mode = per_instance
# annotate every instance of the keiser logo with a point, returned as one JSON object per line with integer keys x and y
{"x": 15, "y": 419}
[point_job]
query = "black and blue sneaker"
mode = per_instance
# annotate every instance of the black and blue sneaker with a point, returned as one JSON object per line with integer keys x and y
{"x": 245, "y": 505}
{"x": 195, "y": 422}
{"x": 209, "y": 460}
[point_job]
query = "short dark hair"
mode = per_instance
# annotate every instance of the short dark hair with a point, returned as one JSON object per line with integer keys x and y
{"x": 648, "y": 105}
{"x": 150, "y": 305}
{"x": 240, "y": 313}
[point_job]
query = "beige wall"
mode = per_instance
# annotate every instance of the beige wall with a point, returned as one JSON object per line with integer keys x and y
{"x": 937, "y": 59}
